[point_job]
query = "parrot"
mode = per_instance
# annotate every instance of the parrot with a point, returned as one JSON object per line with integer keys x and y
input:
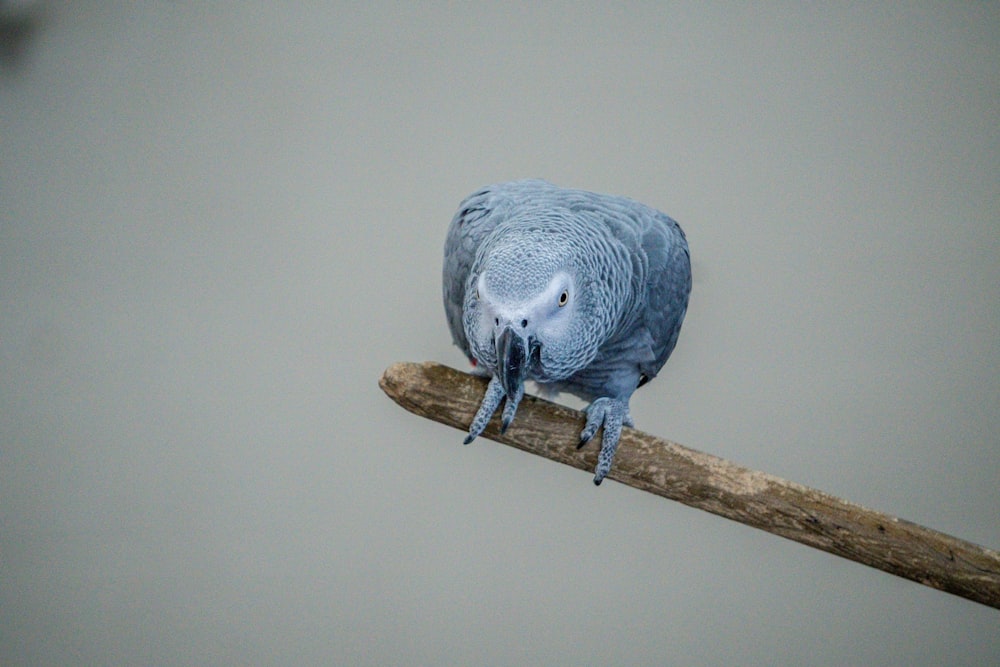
{"x": 576, "y": 291}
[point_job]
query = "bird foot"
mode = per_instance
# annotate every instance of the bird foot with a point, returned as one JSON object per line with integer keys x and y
{"x": 494, "y": 394}
{"x": 612, "y": 414}
{"x": 510, "y": 408}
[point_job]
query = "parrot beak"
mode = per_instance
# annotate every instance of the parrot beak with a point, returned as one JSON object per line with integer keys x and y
{"x": 512, "y": 361}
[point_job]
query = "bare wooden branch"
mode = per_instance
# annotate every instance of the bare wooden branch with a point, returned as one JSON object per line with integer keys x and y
{"x": 713, "y": 484}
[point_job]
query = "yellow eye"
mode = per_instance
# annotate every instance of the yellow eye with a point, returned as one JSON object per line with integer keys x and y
{"x": 563, "y": 298}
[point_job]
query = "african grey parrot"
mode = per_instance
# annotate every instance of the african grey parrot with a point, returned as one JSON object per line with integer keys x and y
{"x": 578, "y": 291}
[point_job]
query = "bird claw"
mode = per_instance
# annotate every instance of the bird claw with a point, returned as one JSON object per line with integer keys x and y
{"x": 510, "y": 409}
{"x": 612, "y": 414}
{"x": 606, "y": 412}
{"x": 494, "y": 394}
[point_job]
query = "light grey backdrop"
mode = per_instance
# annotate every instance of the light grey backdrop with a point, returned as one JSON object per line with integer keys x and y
{"x": 220, "y": 222}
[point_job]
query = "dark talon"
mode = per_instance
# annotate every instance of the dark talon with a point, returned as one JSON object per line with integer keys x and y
{"x": 469, "y": 438}
{"x": 504, "y": 423}
{"x": 583, "y": 441}
{"x": 597, "y": 482}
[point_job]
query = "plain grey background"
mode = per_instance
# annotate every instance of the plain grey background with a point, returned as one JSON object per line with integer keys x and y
{"x": 220, "y": 222}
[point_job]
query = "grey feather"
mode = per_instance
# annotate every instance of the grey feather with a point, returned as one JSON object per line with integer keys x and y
{"x": 622, "y": 269}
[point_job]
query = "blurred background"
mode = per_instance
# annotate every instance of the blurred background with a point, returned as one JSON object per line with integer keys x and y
{"x": 219, "y": 223}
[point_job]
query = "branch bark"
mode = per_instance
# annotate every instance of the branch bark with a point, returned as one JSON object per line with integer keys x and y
{"x": 713, "y": 484}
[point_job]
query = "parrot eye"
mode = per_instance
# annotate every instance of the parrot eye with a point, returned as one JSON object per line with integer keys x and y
{"x": 563, "y": 298}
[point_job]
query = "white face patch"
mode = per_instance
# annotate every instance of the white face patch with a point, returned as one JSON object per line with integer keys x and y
{"x": 554, "y": 307}
{"x": 545, "y": 315}
{"x": 557, "y": 294}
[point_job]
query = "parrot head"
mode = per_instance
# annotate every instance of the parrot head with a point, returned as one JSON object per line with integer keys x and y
{"x": 526, "y": 308}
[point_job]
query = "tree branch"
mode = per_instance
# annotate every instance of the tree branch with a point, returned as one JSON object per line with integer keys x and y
{"x": 713, "y": 484}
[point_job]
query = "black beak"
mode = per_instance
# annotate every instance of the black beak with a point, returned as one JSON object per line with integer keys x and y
{"x": 512, "y": 361}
